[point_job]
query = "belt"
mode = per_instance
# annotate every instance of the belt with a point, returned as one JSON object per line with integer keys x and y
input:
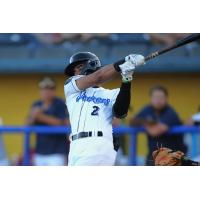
{"x": 86, "y": 134}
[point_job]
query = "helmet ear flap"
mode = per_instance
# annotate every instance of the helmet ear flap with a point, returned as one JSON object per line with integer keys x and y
{"x": 90, "y": 67}
{"x": 92, "y": 62}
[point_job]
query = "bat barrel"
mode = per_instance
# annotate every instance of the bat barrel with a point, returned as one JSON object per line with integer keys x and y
{"x": 186, "y": 40}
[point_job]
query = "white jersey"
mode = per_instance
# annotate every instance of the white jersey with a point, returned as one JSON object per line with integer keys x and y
{"x": 90, "y": 109}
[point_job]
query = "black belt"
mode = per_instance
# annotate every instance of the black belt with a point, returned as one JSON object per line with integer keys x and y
{"x": 86, "y": 134}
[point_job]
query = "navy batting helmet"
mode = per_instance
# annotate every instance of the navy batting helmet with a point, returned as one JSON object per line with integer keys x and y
{"x": 90, "y": 61}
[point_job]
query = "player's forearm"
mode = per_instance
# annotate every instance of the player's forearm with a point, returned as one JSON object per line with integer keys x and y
{"x": 125, "y": 66}
{"x": 105, "y": 74}
{"x": 101, "y": 76}
{"x": 122, "y": 103}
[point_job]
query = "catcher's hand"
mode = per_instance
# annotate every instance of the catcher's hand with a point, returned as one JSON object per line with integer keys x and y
{"x": 167, "y": 157}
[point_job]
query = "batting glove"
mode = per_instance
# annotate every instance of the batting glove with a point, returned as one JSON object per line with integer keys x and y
{"x": 135, "y": 59}
{"x": 127, "y": 77}
{"x": 127, "y": 68}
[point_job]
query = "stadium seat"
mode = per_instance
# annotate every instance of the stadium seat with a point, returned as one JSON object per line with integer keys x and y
{"x": 55, "y": 52}
{"x": 130, "y": 38}
{"x": 15, "y": 39}
{"x": 14, "y": 52}
{"x": 123, "y": 50}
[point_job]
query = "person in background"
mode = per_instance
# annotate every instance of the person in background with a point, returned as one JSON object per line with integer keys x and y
{"x": 49, "y": 111}
{"x": 166, "y": 38}
{"x": 59, "y": 38}
{"x": 157, "y": 118}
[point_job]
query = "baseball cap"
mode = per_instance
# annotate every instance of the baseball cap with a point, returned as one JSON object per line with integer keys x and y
{"x": 47, "y": 82}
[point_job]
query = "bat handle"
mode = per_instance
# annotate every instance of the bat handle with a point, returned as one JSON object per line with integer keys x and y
{"x": 151, "y": 56}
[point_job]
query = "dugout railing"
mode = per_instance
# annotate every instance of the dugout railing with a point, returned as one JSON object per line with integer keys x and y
{"x": 120, "y": 130}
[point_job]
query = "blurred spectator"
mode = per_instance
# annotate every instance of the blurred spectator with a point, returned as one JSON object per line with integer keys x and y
{"x": 58, "y": 38}
{"x": 85, "y": 37}
{"x": 13, "y": 39}
{"x": 166, "y": 38}
{"x": 157, "y": 118}
{"x": 50, "y": 111}
{"x": 3, "y": 157}
{"x": 127, "y": 38}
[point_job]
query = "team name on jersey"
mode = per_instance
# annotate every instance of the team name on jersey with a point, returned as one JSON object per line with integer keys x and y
{"x": 96, "y": 100}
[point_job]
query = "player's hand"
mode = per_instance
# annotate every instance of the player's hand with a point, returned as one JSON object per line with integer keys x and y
{"x": 128, "y": 67}
{"x": 135, "y": 59}
{"x": 131, "y": 62}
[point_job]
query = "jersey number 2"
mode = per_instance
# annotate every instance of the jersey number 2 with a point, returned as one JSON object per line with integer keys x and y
{"x": 95, "y": 111}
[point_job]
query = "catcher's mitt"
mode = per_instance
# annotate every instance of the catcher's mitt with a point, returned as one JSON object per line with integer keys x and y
{"x": 167, "y": 157}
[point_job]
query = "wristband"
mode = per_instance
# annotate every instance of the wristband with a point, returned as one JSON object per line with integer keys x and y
{"x": 116, "y": 65}
{"x": 127, "y": 79}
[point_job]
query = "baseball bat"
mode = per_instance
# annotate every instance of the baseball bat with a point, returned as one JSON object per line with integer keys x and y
{"x": 179, "y": 43}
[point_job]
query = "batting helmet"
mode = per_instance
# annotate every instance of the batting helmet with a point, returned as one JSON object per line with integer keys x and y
{"x": 90, "y": 61}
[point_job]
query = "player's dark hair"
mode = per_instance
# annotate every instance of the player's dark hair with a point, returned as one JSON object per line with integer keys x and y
{"x": 159, "y": 88}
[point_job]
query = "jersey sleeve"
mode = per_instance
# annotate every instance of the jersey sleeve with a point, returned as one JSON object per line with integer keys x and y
{"x": 114, "y": 93}
{"x": 70, "y": 86}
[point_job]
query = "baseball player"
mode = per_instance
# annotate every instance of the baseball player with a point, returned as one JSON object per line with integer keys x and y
{"x": 92, "y": 108}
